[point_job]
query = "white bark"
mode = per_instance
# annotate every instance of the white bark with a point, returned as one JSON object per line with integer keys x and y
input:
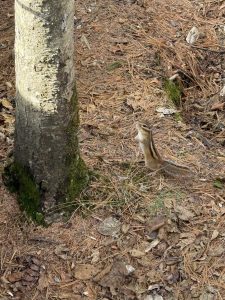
{"x": 44, "y": 49}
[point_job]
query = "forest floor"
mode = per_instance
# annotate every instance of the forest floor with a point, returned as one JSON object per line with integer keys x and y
{"x": 168, "y": 239}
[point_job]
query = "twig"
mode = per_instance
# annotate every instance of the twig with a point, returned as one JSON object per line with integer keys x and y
{"x": 210, "y": 50}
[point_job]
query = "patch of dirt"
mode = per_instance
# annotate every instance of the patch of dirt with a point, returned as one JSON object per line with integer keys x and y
{"x": 170, "y": 243}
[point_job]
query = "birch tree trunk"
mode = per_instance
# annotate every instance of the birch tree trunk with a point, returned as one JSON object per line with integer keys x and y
{"x": 46, "y": 144}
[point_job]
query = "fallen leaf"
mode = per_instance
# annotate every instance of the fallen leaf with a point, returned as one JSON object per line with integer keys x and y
{"x": 136, "y": 253}
{"x": 218, "y": 106}
{"x": 157, "y": 222}
{"x": 43, "y": 282}
{"x": 125, "y": 228}
{"x": 214, "y": 235}
{"x": 95, "y": 256}
{"x": 33, "y": 273}
{"x": 6, "y": 104}
{"x": 4, "y": 280}
{"x": 34, "y": 267}
{"x": 84, "y": 40}
{"x": 14, "y": 277}
{"x": 152, "y": 245}
{"x": 85, "y": 271}
{"x": 8, "y": 119}
{"x": 62, "y": 251}
{"x": 9, "y": 84}
{"x": 29, "y": 278}
{"x": 186, "y": 239}
{"x": 36, "y": 261}
{"x": 102, "y": 273}
{"x": 183, "y": 213}
{"x": 116, "y": 277}
{"x": 216, "y": 252}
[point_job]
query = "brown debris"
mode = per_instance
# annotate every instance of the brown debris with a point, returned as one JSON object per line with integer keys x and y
{"x": 171, "y": 233}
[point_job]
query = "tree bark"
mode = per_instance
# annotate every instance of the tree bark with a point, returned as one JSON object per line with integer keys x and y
{"x": 46, "y": 143}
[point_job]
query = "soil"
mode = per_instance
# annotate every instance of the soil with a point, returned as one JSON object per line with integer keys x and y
{"x": 168, "y": 240}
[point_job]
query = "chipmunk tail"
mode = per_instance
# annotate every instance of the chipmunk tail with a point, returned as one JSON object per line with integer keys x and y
{"x": 175, "y": 170}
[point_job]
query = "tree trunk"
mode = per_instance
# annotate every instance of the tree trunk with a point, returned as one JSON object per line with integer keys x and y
{"x": 46, "y": 144}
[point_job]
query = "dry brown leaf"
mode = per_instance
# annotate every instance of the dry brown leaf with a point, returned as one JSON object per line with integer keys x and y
{"x": 183, "y": 213}
{"x": 14, "y": 277}
{"x": 6, "y": 104}
{"x": 136, "y": 253}
{"x": 157, "y": 222}
{"x": 62, "y": 251}
{"x": 8, "y": 119}
{"x": 43, "y": 281}
{"x": 186, "y": 239}
{"x": 152, "y": 245}
{"x": 85, "y": 271}
{"x": 216, "y": 251}
{"x": 95, "y": 256}
{"x": 218, "y": 106}
{"x": 35, "y": 267}
{"x": 125, "y": 228}
{"x": 214, "y": 235}
{"x": 102, "y": 273}
{"x": 29, "y": 278}
{"x": 116, "y": 277}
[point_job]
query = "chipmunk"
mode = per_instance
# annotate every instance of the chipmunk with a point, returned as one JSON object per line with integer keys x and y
{"x": 153, "y": 159}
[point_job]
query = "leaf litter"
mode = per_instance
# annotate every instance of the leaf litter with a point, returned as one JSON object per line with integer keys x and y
{"x": 169, "y": 240}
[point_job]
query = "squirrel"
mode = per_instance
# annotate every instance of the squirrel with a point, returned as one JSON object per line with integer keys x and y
{"x": 153, "y": 159}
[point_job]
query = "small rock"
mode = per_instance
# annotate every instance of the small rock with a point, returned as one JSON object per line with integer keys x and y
{"x": 166, "y": 111}
{"x": 192, "y": 36}
{"x": 130, "y": 269}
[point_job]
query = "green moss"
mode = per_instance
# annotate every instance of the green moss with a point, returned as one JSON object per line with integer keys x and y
{"x": 78, "y": 175}
{"x": 157, "y": 58}
{"x": 173, "y": 91}
{"x": 158, "y": 206}
{"x": 178, "y": 117}
{"x": 218, "y": 184}
{"x": 114, "y": 65}
{"x": 18, "y": 179}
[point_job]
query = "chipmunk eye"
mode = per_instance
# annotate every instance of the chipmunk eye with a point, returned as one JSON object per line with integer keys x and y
{"x": 145, "y": 126}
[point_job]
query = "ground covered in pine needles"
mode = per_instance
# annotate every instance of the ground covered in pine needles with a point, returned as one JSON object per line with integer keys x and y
{"x": 167, "y": 236}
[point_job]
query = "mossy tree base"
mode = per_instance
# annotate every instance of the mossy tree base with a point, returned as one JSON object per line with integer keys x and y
{"x": 174, "y": 91}
{"x": 30, "y": 195}
{"x": 19, "y": 180}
